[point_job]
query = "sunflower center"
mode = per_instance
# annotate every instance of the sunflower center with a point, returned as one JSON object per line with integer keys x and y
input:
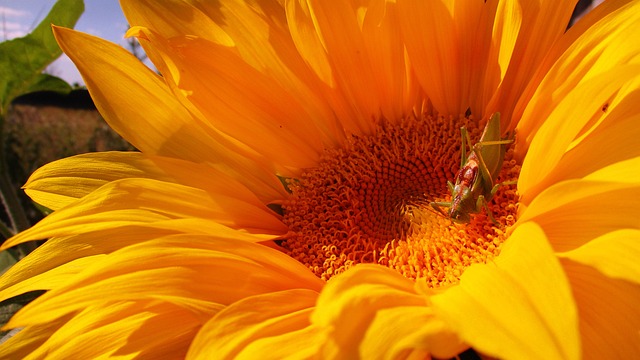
{"x": 370, "y": 202}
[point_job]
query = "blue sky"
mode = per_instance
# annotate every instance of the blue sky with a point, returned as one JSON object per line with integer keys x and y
{"x": 102, "y": 18}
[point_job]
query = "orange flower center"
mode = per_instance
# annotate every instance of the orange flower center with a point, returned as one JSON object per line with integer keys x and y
{"x": 370, "y": 202}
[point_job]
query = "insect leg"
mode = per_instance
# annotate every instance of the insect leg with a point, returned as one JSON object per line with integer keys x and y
{"x": 495, "y": 188}
{"x": 482, "y": 202}
{"x": 436, "y": 205}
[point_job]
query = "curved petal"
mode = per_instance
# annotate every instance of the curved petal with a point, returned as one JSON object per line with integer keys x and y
{"x": 565, "y": 209}
{"x": 139, "y": 201}
{"x": 27, "y": 340}
{"x": 51, "y": 263}
{"x": 447, "y": 49}
{"x": 566, "y": 123}
{"x": 232, "y": 330}
{"x": 125, "y": 329}
{"x": 606, "y": 38}
{"x": 623, "y": 171}
{"x": 614, "y": 254}
{"x": 59, "y": 183}
{"x": 519, "y": 306}
{"x": 357, "y": 51}
{"x": 608, "y": 311}
{"x": 35, "y": 280}
{"x": 611, "y": 141}
{"x": 240, "y": 101}
{"x": 198, "y": 273}
{"x": 543, "y": 23}
{"x": 257, "y": 33}
{"x": 297, "y": 344}
{"x": 118, "y": 83}
{"x": 396, "y": 88}
{"x": 351, "y": 303}
{"x": 409, "y": 331}
{"x": 174, "y": 18}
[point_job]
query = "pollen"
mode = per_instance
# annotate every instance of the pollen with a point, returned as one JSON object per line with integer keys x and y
{"x": 370, "y": 202}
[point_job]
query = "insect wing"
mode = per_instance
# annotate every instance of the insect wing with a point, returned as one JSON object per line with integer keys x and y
{"x": 492, "y": 155}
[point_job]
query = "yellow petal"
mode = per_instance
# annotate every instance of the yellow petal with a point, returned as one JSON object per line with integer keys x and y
{"x": 543, "y": 23}
{"x": 240, "y": 101}
{"x": 518, "y": 307}
{"x": 119, "y": 83}
{"x": 58, "y": 183}
{"x": 350, "y": 305}
{"x": 174, "y": 18}
{"x": 251, "y": 319}
{"x": 577, "y": 211}
{"x": 507, "y": 18}
{"x": 134, "y": 201}
{"x": 563, "y": 125}
{"x": 198, "y": 273}
{"x": 35, "y": 280}
{"x": 61, "y": 182}
{"x": 607, "y": 38}
{"x": 617, "y": 133}
{"x": 432, "y": 42}
{"x": 258, "y": 34}
{"x": 338, "y": 26}
{"x": 125, "y": 329}
{"x": 27, "y": 340}
{"x": 614, "y": 254}
{"x": 409, "y": 331}
{"x": 297, "y": 344}
{"x": 396, "y": 89}
{"x": 608, "y": 311}
{"x": 622, "y": 171}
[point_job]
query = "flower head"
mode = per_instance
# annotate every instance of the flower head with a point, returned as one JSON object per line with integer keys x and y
{"x": 287, "y": 199}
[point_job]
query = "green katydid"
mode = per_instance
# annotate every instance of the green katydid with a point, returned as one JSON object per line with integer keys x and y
{"x": 475, "y": 181}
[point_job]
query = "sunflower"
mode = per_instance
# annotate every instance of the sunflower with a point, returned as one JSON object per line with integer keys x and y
{"x": 291, "y": 153}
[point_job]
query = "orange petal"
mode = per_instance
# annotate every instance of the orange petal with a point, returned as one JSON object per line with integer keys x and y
{"x": 577, "y": 211}
{"x": 564, "y": 125}
{"x": 433, "y": 53}
{"x": 174, "y": 18}
{"x": 606, "y": 38}
{"x": 118, "y": 83}
{"x": 233, "y": 330}
{"x": 519, "y": 306}
{"x": 608, "y": 312}
{"x": 59, "y": 257}
{"x": 543, "y": 22}
{"x": 35, "y": 280}
{"x": 259, "y": 36}
{"x": 61, "y": 182}
{"x": 350, "y": 303}
{"x": 27, "y": 340}
{"x": 409, "y": 331}
{"x": 213, "y": 82}
{"x": 198, "y": 273}
{"x": 128, "y": 329}
{"x": 617, "y": 132}
{"x": 139, "y": 201}
{"x": 614, "y": 254}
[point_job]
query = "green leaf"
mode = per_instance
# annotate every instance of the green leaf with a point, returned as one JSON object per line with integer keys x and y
{"x": 22, "y": 60}
{"x": 46, "y": 82}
